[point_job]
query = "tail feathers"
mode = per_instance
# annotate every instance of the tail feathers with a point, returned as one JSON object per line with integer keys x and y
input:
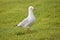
{"x": 20, "y": 24}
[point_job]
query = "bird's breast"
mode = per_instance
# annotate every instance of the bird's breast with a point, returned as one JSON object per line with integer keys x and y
{"x": 31, "y": 18}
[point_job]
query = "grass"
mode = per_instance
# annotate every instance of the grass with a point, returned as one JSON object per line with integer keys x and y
{"x": 46, "y": 27}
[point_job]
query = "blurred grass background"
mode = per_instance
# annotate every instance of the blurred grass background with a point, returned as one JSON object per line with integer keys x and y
{"x": 46, "y": 27}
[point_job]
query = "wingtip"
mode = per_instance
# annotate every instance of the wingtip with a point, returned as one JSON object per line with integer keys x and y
{"x": 16, "y": 24}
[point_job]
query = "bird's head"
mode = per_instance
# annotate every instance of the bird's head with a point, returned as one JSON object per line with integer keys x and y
{"x": 31, "y": 8}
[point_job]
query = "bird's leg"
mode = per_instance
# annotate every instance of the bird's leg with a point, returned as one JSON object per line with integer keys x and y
{"x": 28, "y": 29}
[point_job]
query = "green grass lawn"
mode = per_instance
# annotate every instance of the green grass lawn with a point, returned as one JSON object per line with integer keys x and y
{"x": 46, "y": 27}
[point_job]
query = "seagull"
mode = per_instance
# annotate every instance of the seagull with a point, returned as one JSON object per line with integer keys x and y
{"x": 29, "y": 20}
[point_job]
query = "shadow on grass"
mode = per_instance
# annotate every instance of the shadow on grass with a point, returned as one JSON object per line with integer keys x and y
{"x": 23, "y": 33}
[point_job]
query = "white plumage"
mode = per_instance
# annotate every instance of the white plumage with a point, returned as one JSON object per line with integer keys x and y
{"x": 29, "y": 20}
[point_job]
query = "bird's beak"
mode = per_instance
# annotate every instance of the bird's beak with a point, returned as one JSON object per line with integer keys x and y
{"x": 33, "y": 9}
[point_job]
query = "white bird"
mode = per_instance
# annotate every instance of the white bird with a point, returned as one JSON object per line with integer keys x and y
{"x": 29, "y": 20}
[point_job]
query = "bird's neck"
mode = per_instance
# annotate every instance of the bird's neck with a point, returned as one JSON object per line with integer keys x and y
{"x": 30, "y": 13}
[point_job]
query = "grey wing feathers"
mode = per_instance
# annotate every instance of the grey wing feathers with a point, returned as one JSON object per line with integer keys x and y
{"x": 23, "y": 22}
